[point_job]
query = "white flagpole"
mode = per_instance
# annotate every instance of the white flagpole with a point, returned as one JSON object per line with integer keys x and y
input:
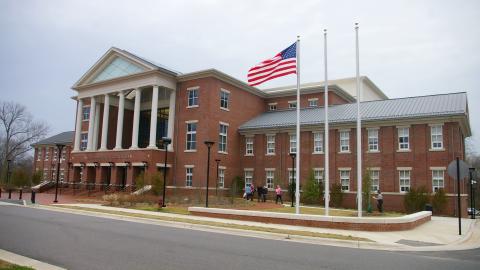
{"x": 325, "y": 139}
{"x": 359, "y": 131}
{"x": 297, "y": 166}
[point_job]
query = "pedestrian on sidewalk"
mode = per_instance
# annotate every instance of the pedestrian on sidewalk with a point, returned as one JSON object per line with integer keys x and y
{"x": 278, "y": 192}
{"x": 379, "y": 199}
{"x": 248, "y": 192}
{"x": 264, "y": 194}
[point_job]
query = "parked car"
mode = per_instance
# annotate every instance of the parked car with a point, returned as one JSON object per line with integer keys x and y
{"x": 470, "y": 210}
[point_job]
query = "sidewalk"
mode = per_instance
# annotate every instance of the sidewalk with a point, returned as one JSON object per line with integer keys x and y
{"x": 441, "y": 233}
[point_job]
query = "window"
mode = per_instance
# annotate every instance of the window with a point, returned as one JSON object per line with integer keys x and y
{"x": 272, "y": 106}
{"x": 270, "y": 175}
{"x": 375, "y": 176}
{"x": 191, "y": 136}
{"x": 45, "y": 174}
{"x": 224, "y": 96}
{"x": 317, "y": 142}
{"x": 189, "y": 177}
{"x": 313, "y": 102}
{"x": 373, "y": 140}
{"x": 292, "y": 104}
{"x": 404, "y": 176}
{"x": 249, "y": 146}
{"x": 222, "y": 141}
{"x": 437, "y": 180}
{"x": 62, "y": 174}
{"x": 54, "y": 173}
{"x": 403, "y": 142}
{"x": 192, "y": 97}
{"x": 64, "y": 153}
{"x": 292, "y": 176}
{"x": 47, "y": 154}
{"x": 344, "y": 141}
{"x": 39, "y": 154}
{"x": 248, "y": 178}
{"x": 345, "y": 180}
{"x": 436, "y": 136}
{"x": 221, "y": 178}
{"x": 270, "y": 144}
{"x": 293, "y": 143}
{"x": 318, "y": 175}
{"x": 83, "y": 141}
{"x": 55, "y": 154}
{"x": 86, "y": 113}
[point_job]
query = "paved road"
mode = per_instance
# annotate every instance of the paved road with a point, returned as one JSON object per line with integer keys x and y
{"x": 82, "y": 242}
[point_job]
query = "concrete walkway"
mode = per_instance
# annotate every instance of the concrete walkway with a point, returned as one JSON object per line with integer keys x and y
{"x": 441, "y": 233}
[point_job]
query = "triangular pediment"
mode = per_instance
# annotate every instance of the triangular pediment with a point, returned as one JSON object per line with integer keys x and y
{"x": 115, "y": 63}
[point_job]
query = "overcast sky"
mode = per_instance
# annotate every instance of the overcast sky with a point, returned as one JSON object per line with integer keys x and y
{"x": 407, "y": 48}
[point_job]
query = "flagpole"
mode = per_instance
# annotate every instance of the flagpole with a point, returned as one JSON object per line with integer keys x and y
{"x": 326, "y": 140}
{"x": 297, "y": 166}
{"x": 359, "y": 131}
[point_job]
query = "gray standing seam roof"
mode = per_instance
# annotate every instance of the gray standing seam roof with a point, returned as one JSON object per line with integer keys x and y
{"x": 62, "y": 138}
{"x": 401, "y": 108}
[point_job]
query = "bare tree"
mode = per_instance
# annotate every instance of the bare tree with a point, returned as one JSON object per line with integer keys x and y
{"x": 18, "y": 131}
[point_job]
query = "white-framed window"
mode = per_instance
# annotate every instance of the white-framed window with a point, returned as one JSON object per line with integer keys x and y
{"x": 272, "y": 106}
{"x": 248, "y": 178}
{"x": 54, "y": 173}
{"x": 55, "y": 154}
{"x": 293, "y": 143}
{"x": 345, "y": 179}
{"x": 192, "y": 97}
{"x": 344, "y": 141}
{"x": 222, "y": 138}
{"x": 292, "y": 104}
{"x": 313, "y": 102}
{"x": 292, "y": 176}
{"x": 317, "y": 142}
{"x": 83, "y": 141}
{"x": 249, "y": 146}
{"x": 188, "y": 176}
{"x": 39, "y": 154}
{"x": 375, "y": 176}
{"x": 270, "y": 144}
{"x": 437, "y": 179}
{"x": 436, "y": 135}
{"x": 62, "y": 174}
{"x": 86, "y": 113}
{"x": 269, "y": 177}
{"x": 45, "y": 174}
{"x": 404, "y": 177}
{"x": 403, "y": 138}
{"x": 318, "y": 175}
{"x": 47, "y": 153}
{"x": 191, "y": 143}
{"x": 221, "y": 177}
{"x": 224, "y": 99}
{"x": 64, "y": 154}
{"x": 373, "y": 140}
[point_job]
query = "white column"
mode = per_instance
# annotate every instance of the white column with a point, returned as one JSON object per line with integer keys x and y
{"x": 91, "y": 123}
{"x": 97, "y": 127}
{"x": 171, "y": 119}
{"x": 153, "y": 119}
{"x": 106, "y": 114}
{"x": 136, "y": 119}
{"x": 121, "y": 108}
{"x": 78, "y": 125}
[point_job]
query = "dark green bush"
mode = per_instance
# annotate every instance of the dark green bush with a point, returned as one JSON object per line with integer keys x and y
{"x": 336, "y": 195}
{"x": 439, "y": 200}
{"x": 312, "y": 192}
{"x": 416, "y": 199}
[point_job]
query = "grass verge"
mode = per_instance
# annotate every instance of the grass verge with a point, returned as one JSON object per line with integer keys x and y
{"x": 9, "y": 266}
{"x": 333, "y": 212}
{"x": 222, "y": 225}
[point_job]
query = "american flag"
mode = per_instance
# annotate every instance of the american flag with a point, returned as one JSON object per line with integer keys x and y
{"x": 282, "y": 64}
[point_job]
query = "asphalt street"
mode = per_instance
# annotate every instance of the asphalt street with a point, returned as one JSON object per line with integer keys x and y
{"x": 83, "y": 242}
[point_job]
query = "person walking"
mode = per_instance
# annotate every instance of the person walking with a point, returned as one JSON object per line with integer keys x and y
{"x": 264, "y": 194}
{"x": 248, "y": 192}
{"x": 379, "y": 199}
{"x": 278, "y": 192}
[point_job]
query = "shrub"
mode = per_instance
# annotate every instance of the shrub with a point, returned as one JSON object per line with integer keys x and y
{"x": 336, "y": 194}
{"x": 367, "y": 191}
{"x": 111, "y": 199}
{"x": 36, "y": 177}
{"x": 140, "y": 181}
{"x": 312, "y": 192}
{"x": 439, "y": 200}
{"x": 156, "y": 180}
{"x": 19, "y": 178}
{"x": 238, "y": 183}
{"x": 416, "y": 199}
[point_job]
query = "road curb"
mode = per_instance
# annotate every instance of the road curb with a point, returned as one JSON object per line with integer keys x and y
{"x": 25, "y": 261}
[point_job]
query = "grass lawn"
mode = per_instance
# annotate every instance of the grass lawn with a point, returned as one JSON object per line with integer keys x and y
{"x": 333, "y": 212}
{"x": 8, "y": 266}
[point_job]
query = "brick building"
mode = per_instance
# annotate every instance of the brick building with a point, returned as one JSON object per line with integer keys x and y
{"x": 407, "y": 142}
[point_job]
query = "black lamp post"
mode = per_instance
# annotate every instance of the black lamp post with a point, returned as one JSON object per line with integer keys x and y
{"x": 216, "y": 186}
{"x": 292, "y": 184}
{"x": 8, "y": 171}
{"x": 166, "y": 142}
{"x": 209, "y": 145}
{"x": 60, "y": 147}
{"x": 472, "y": 204}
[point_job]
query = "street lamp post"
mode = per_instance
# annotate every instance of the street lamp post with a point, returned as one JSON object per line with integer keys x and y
{"x": 209, "y": 144}
{"x": 8, "y": 171}
{"x": 216, "y": 186}
{"x": 166, "y": 142}
{"x": 60, "y": 147}
{"x": 292, "y": 185}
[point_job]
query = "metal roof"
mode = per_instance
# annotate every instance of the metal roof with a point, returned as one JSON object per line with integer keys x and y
{"x": 400, "y": 108}
{"x": 62, "y": 138}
